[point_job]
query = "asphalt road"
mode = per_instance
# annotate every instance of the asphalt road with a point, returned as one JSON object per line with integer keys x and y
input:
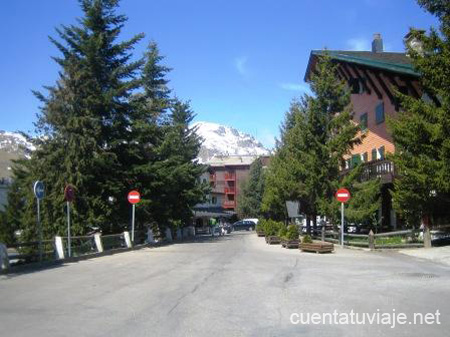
{"x": 231, "y": 286}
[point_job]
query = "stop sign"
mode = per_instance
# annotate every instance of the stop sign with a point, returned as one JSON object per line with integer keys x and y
{"x": 342, "y": 195}
{"x": 134, "y": 197}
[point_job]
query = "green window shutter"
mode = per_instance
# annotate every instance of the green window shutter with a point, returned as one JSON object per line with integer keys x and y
{"x": 363, "y": 121}
{"x": 374, "y": 154}
{"x": 356, "y": 159}
{"x": 379, "y": 113}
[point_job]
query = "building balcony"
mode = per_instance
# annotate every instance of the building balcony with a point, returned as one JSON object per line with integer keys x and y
{"x": 230, "y": 190}
{"x": 230, "y": 176}
{"x": 229, "y": 204}
{"x": 382, "y": 169}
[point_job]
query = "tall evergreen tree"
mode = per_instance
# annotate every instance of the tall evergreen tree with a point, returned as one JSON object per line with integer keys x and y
{"x": 179, "y": 170}
{"x": 421, "y": 131}
{"x": 84, "y": 124}
{"x": 249, "y": 205}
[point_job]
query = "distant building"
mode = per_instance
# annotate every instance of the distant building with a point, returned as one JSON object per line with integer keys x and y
{"x": 225, "y": 174}
{"x": 371, "y": 77}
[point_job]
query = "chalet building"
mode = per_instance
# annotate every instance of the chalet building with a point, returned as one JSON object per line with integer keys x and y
{"x": 371, "y": 77}
{"x": 225, "y": 174}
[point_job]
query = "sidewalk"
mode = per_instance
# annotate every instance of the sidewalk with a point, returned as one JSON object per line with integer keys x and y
{"x": 435, "y": 254}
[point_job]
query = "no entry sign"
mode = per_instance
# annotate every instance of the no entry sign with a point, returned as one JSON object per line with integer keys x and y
{"x": 69, "y": 193}
{"x": 342, "y": 195}
{"x": 134, "y": 197}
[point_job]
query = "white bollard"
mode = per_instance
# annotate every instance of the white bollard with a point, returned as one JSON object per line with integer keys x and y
{"x": 150, "y": 236}
{"x": 169, "y": 235}
{"x": 98, "y": 242}
{"x": 59, "y": 245}
{"x": 4, "y": 259}
{"x": 127, "y": 238}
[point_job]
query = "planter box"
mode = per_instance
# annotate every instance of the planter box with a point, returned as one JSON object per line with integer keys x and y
{"x": 273, "y": 240}
{"x": 260, "y": 233}
{"x": 291, "y": 244}
{"x": 318, "y": 247}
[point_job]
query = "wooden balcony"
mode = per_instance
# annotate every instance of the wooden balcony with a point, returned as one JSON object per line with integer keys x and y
{"x": 382, "y": 169}
{"x": 229, "y": 176}
{"x": 230, "y": 190}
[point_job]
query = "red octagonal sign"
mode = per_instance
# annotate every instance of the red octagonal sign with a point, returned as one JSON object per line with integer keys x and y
{"x": 134, "y": 197}
{"x": 343, "y": 195}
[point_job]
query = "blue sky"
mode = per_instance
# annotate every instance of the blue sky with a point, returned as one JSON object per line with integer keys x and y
{"x": 239, "y": 62}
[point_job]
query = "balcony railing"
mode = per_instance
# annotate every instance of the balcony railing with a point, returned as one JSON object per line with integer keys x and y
{"x": 230, "y": 176}
{"x": 382, "y": 169}
{"x": 229, "y": 204}
{"x": 230, "y": 190}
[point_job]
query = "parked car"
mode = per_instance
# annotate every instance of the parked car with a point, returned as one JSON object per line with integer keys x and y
{"x": 245, "y": 224}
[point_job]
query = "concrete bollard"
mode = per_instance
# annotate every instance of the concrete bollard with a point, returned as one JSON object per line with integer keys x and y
{"x": 169, "y": 235}
{"x": 426, "y": 237}
{"x": 4, "y": 259}
{"x": 126, "y": 236}
{"x": 150, "y": 236}
{"x": 59, "y": 245}
{"x": 98, "y": 242}
{"x": 371, "y": 238}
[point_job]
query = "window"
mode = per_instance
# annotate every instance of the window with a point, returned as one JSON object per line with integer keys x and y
{"x": 365, "y": 157}
{"x": 374, "y": 154}
{"x": 381, "y": 150}
{"x": 214, "y": 200}
{"x": 363, "y": 121}
{"x": 379, "y": 113}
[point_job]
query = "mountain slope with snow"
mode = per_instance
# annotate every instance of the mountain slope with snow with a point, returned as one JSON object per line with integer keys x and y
{"x": 220, "y": 140}
{"x": 12, "y": 146}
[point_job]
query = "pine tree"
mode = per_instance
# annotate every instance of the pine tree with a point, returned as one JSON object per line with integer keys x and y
{"x": 179, "y": 171}
{"x": 252, "y": 192}
{"x": 84, "y": 125}
{"x": 421, "y": 131}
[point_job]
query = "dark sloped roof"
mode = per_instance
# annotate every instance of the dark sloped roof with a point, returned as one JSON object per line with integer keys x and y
{"x": 395, "y": 62}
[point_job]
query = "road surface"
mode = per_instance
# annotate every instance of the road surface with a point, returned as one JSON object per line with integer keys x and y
{"x": 231, "y": 286}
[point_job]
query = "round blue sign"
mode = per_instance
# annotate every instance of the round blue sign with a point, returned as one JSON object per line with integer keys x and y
{"x": 39, "y": 189}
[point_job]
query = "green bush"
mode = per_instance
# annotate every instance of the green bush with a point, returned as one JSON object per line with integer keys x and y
{"x": 271, "y": 227}
{"x": 292, "y": 232}
{"x": 307, "y": 239}
{"x": 260, "y": 226}
{"x": 282, "y": 231}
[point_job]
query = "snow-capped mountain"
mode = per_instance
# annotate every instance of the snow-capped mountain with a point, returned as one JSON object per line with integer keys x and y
{"x": 220, "y": 140}
{"x": 12, "y": 146}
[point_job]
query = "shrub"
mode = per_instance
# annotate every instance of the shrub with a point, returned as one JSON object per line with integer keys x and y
{"x": 282, "y": 231}
{"x": 292, "y": 232}
{"x": 272, "y": 227}
{"x": 260, "y": 226}
{"x": 307, "y": 239}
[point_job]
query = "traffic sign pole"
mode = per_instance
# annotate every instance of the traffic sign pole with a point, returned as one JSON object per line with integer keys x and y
{"x": 132, "y": 223}
{"x": 133, "y": 198}
{"x": 40, "y": 228}
{"x": 39, "y": 192}
{"x": 342, "y": 224}
{"x": 342, "y": 195}
{"x": 69, "y": 243}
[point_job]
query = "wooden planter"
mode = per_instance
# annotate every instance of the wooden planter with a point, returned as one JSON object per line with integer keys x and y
{"x": 291, "y": 244}
{"x": 273, "y": 240}
{"x": 260, "y": 233}
{"x": 318, "y": 247}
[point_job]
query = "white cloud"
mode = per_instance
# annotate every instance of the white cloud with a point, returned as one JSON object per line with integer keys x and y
{"x": 359, "y": 44}
{"x": 295, "y": 87}
{"x": 241, "y": 65}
